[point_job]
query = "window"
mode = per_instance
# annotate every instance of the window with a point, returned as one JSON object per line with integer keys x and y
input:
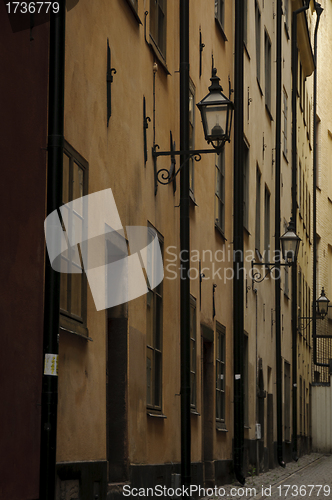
{"x": 306, "y": 206}
{"x": 286, "y": 13}
{"x": 300, "y": 189}
{"x": 318, "y": 149}
{"x": 300, "y": 310}
{"x": 267, "y": 71}
{"x": 133, "y": 4}
{"x": 285, "y": 113}
{"x": 245, "y": 379}
{"x": 219, "y": 12}
{"x": 73, "y": 285}
{"x": 191, "y": 135}
{"x": 246, "y": 186}
{"x": 329, "y": 278}
{"x": 154, "y": 336}
{"x": 258, "y": 41}
{"x": 220, "y": 191}
{"x": 301, "y": 405}
{"x": 301, "y": 86}
{"x": 267, "y": 224}
{"x": 287, "y": 401}
{"x": 220, "y": 373}
{"x": 309, "y": 217}
{"x": 193, "y": 352}
{"x": 158, "y": 24}
{"x": 258, "y": 211}
{"x": 286, "y": 289}
{"x": 329, "y": 177}
{"x": 245, "y": 23}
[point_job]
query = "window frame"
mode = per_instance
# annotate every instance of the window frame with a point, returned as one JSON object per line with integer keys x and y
{"x": 287, "y": 401}
{"x": 246, "y": 173}
{"x": 156, "y": 347}
{"x": 69, "y": 321}
{"x": 193, "y": 353}
{"x": 245, "y": 23}
{"x": 220, "y": 204}
{"x": 267, "y": 223}
{"x": 246, "y": 378}
{"x": 268, "y": 71}
{"x": 258, "y": 28}
{"x": 220, "y": 371}
{"x": 160, "y": 45}
{"x": 219, "y": 15}
{"x": 191, "y": 126}
{"x": 258, "y": 210}
{"x": 285, "y": 127}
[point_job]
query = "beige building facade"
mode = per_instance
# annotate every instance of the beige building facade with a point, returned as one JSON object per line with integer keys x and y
{"x": 119, "y": 369}
{"x": 323, "y": 179}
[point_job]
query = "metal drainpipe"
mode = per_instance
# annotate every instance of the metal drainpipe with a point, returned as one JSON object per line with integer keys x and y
{"x": 277, "y": 238}
{"x": 238, "y": 288}
{"x": 294, "y": 215}
{"x": 256, "y": 387}
{"x": 52, "y": 278}
{"x": 319, "y": 11}
{"x": 184, "y": 245}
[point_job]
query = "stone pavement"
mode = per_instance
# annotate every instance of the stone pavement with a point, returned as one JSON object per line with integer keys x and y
{"x": 310, "y": 477}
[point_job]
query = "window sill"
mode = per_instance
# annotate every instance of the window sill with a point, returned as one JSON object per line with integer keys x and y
{"x": 134, "y": 11}
{"x": 220, "y": 231}
{"x": 69, "y": 325}
{"x": 192, "y": 197}
{"x": 269, "y": 112}
{"x": 246, "y": 50}
{"x": 259, "y": 86}
{"x": 155, "y": 414}
{"x": 285, "y": 157}
{"x": 222, "y": 428}
{"x": 154, "y": 47}
{"x": 287, "y": 31}
{"x": 195, "y": 412}
{"x": 221, "y": 30}
{"x": 258, "y": 255}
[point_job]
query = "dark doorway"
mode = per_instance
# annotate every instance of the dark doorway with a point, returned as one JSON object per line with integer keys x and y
{"x": 116, "y": 378}
{"x": 208, "y": 386}
{"x": 269, "y": 429}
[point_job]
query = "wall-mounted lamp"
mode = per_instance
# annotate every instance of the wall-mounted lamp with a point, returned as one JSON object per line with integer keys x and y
{"x": 290, "y": 243}
{"x": 322, "y": 304}
{"x": 216, "y": 113}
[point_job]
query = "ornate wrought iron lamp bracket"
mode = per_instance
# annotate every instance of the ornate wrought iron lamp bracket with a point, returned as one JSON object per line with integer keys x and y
{"x": 164, "y": 176}
{"x": 256, "y": 276}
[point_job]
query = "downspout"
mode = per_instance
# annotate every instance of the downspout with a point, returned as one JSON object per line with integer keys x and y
{"x": 257, "y": 387}
{"x": 238, "y": 288}
{"x": 294, "y": 215}
{"x": 277, "y": 237}
{"x": 184, "y": 246}
{"x": 319, "y": 11}
{"x": 52, "y": 278}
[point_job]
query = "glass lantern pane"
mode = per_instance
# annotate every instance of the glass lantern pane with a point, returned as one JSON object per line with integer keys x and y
{"x": 216, "y": 121}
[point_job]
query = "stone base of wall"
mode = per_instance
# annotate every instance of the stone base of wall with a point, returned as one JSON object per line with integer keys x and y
{"x": 81, "y": 480}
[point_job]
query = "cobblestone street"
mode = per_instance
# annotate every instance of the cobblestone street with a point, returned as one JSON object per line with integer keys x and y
{"x": 310, "y": 477}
